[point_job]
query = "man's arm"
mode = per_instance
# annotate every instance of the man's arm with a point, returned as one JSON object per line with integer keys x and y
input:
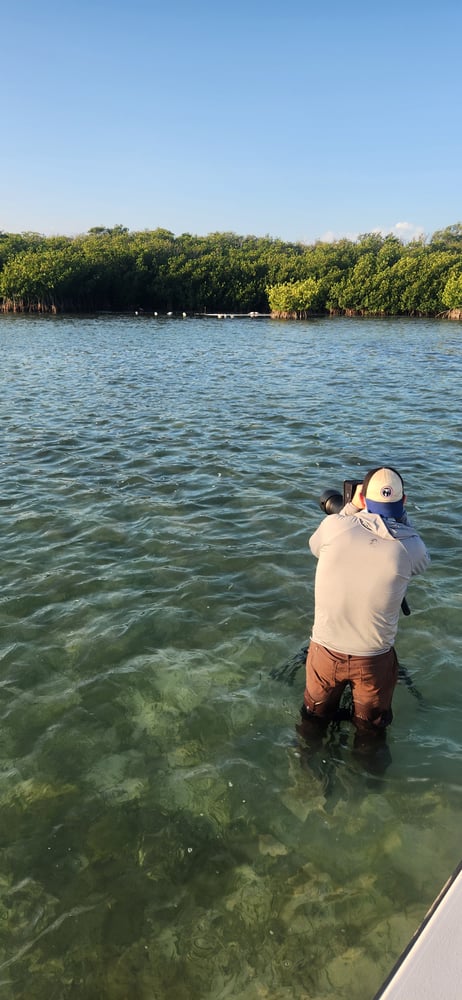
{"x": 420, "y": 559}
{"x": 328, "y": 528}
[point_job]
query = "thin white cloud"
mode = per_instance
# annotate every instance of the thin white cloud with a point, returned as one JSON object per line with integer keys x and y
{"x": 408, "y": 231}
{"x": 405, "y": 231}
{"x": 331, "y": 237}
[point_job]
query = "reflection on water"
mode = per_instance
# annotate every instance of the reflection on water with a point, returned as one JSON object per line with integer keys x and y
{"x": 165, "y": 831}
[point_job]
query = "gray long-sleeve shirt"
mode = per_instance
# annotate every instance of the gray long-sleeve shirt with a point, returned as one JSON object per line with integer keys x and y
{"x": 364, "y": 566}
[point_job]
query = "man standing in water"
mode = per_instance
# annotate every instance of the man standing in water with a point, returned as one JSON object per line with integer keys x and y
{"x": 366, "y": 556}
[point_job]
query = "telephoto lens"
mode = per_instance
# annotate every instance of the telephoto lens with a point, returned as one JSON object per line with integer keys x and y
{"x": 331, "y": 501}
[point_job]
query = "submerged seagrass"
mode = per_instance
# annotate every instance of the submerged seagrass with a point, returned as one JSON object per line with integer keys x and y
{"x": 164, "y": 832}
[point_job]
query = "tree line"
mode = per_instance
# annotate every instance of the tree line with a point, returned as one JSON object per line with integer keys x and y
{"x": 153, "y": 270}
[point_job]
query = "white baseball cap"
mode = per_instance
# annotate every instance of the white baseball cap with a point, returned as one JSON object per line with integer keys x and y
{"x": 384, "y": 494}
{"x": 385, "y": 486}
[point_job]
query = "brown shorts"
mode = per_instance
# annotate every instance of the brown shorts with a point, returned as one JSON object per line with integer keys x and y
{"x": 372, "y": 679}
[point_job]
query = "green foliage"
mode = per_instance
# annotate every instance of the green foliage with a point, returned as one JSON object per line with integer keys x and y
{"x": 449, "y": 238}
{"x": 42, "y": 279}
{"x": 423, "y": 292}
{"x": 297, "y": 298}
{"x": 112, "y": 268}
{"x": 452, "y": 292}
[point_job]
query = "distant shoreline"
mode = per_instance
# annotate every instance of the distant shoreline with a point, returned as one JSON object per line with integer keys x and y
{"x": 453, "y": 315}
{"x": 227, "y": 275}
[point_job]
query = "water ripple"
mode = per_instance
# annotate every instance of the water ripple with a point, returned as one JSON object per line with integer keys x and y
{"x": 162, "y": 830}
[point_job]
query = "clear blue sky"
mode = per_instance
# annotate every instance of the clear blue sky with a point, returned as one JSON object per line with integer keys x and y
{"x": 300, "y": 120}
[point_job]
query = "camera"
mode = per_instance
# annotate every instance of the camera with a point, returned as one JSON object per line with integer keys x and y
{"x": 332, "y": 501}
{"x": 349, "y": 489}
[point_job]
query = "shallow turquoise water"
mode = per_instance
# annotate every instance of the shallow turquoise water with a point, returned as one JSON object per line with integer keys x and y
{"x": 163, "y": 832}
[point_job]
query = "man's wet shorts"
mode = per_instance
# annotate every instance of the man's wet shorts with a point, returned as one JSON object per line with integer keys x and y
{"x": 372, "y": 679}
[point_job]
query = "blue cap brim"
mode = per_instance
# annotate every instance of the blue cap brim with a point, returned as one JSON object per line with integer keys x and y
{"x": 395, "y": 509}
